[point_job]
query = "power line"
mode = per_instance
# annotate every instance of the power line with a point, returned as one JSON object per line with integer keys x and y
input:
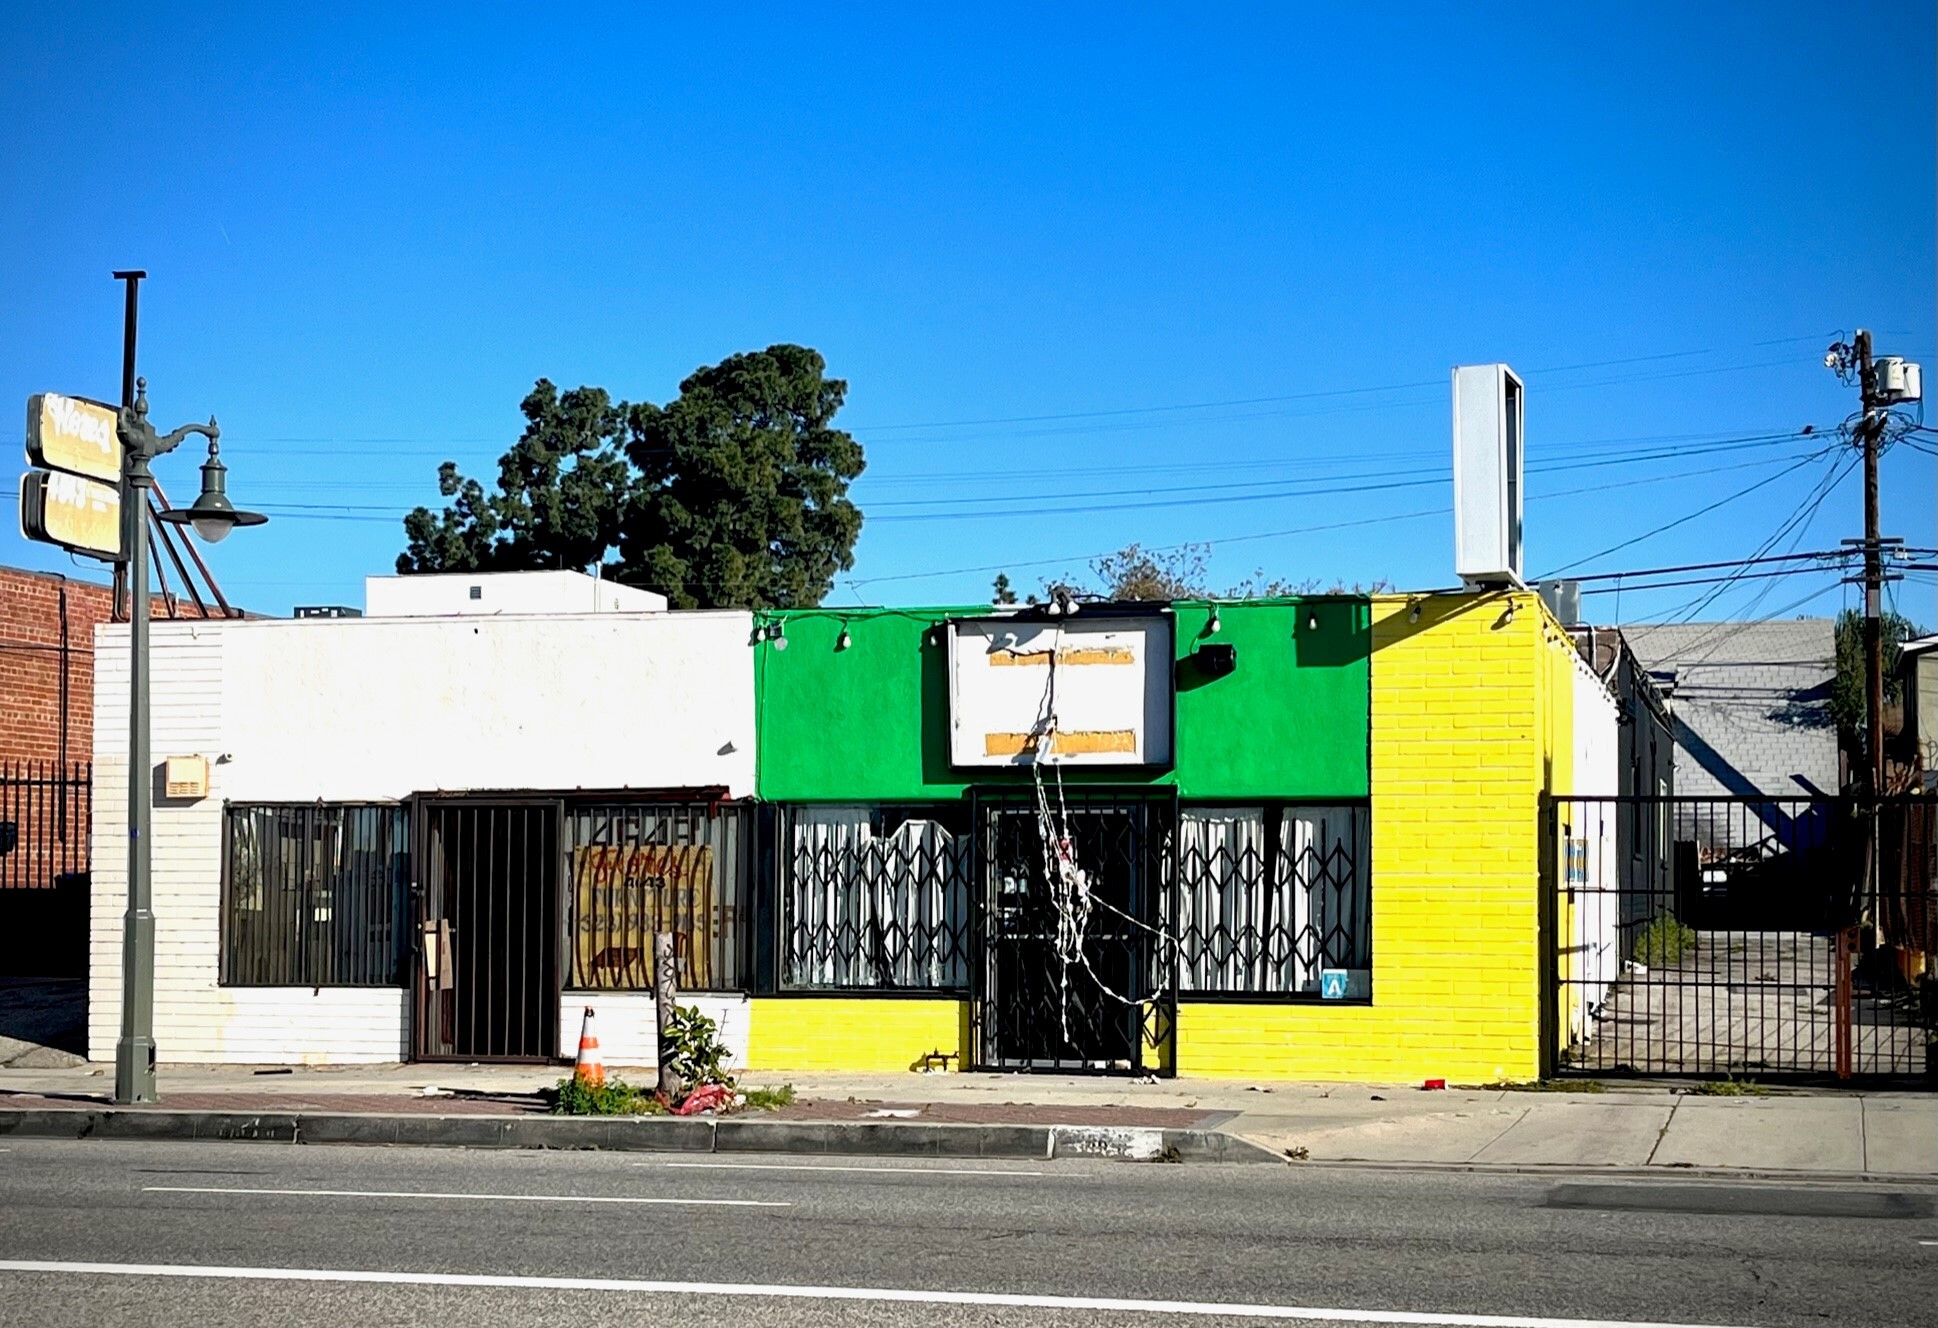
{"x": 1703, "y": 567}
{"x": 1332, "y": 491}
{"x": 1686, "y": 518}
{"x": 1612, "y": 459}
{"x": 374, "y": 513}
{"x": 1329, "y": 393}
{"x": 1175, "y": 408}
{"x": 1014, "y": 565}
{"x": 1708, "y": 580}
{"x": 1798, "y": 521}
{"x": 1735, "y": 629}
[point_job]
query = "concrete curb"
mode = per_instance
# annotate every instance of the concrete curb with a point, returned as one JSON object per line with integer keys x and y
{"x": 647, "y": 1134}
{"x": 1580, "y": 1170}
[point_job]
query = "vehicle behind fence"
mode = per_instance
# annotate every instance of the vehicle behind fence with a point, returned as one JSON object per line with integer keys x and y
{"x": 1744, "y": 937}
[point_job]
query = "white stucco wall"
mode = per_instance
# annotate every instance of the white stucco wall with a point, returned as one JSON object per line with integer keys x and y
{"x": 1597, "y": 905}
{"x": 372, "y": 710}
{"x": 627, "y": 1024}
{"x": 499, "y": 593}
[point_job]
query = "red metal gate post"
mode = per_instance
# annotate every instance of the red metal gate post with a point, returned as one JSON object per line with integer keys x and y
{"x": 1846, "y": 953}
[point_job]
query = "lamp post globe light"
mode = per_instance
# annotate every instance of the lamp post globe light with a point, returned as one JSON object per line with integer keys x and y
{"x": 212, "y": 517}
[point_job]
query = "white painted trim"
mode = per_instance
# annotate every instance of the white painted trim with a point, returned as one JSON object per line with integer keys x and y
{"x": 495, "y": 1198}
{"x": 802, "y": 1166}
{"x": 895, "y": 1295}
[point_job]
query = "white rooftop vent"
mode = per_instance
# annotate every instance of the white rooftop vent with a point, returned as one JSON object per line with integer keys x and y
{"x": 1487, "y": 421}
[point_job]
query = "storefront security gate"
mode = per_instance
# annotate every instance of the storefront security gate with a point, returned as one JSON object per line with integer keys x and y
{"x": 1075, "y": 979}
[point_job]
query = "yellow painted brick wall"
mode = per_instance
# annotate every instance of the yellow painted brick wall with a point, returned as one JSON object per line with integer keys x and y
{"x": 1466, "y": 722}
{"x": 859, "y": 1034}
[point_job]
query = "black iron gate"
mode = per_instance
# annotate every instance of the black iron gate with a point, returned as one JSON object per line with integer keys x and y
{"x": 487, "y": 952}
{"x": 45, "y": 833}
{"x": 1108, "y": 1002}
{"x": 1713, "y": 936}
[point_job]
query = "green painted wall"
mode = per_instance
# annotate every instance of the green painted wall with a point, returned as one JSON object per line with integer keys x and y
{"x": 1291, "y": 722}
{"x": 870, "y": 723}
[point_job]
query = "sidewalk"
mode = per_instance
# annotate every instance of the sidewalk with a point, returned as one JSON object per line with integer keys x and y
{"x": 1639, "y": 1129}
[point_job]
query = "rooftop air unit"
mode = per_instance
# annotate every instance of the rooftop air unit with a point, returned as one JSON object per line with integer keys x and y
{"x": 1487, "y": 419}
{"x": 1563, "y": 599}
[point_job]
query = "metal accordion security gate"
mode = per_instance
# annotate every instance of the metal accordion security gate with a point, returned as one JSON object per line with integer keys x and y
{"x": 1746, "y": 937}
{"x": 1074, "y": 980}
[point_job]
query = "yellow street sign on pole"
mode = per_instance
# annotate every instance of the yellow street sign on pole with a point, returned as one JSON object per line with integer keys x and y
{"x": 75, "y": 435}
{"x": 72, "y": 511}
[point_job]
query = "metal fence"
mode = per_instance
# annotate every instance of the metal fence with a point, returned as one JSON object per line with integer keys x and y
{"x": 314, "y": 895}
{"x": 875, "y": 897}
{"x": 1270, "y": 897}
{"x": 637, "y": 868}
{"x": 1752, "y": 943}
{"x": 45, "y": 811}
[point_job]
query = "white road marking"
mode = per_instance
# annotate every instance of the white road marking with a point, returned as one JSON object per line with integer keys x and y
{"x": 797, "y": 1166}
{"x": 890, "y": 1294}
{"x": 495, "y": 1198}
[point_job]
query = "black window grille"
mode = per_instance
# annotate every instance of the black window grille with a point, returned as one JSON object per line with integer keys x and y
{"x": 639, "y": 868}
{"x": 314, "y": 895}
{"x": 875, "y": 898}
{"x": 1271, "y": 897}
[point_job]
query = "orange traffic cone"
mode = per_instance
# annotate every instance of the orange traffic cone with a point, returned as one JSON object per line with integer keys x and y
{"x": 590, "y": 1068}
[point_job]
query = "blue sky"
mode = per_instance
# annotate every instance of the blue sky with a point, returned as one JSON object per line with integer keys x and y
{"x": 1048, "y": 247}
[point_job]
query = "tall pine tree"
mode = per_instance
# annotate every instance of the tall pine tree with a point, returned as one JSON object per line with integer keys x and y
{"x": 734, "y": 494}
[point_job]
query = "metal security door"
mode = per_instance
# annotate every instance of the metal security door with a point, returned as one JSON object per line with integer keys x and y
{"x": 1102, "y": 1004}
{"x": 487, "y": 931}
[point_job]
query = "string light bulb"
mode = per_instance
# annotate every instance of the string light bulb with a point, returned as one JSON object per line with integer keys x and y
{"x": 843, "y": 641}
{"x": 1211, "y": 627}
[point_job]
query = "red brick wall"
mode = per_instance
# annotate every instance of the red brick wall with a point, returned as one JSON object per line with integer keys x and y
{"x": 32, "y": 662}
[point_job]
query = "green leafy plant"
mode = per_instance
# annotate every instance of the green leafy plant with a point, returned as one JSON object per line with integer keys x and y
{"x": 1731, "y": 1087}
{"x": 769, "y": 1099}
{"x": 1663, "y": 942}
{"x": 694, "y": 1050}
{"x": 615, "y": 1097}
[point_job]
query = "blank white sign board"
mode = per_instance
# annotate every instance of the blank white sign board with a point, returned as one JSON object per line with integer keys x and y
{"x": 1075, "y": 691}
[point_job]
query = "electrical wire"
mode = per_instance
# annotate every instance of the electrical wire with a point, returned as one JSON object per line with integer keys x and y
{"x": 1614, "y": 459}
{"x": 1704, "y": 510}
{"x": 1221, "y": 541}
{"x": 1704, "y": 567}
{"x": 1798, "y": 521}
{"x": 1708, "y": 581}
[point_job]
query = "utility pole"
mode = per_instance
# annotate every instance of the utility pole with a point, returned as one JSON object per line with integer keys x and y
{"x": 1870, "y": 433}
{"x": 1882, "y": 383}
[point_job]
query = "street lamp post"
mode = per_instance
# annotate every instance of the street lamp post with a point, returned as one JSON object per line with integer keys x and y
{"x": 211, "y": 517}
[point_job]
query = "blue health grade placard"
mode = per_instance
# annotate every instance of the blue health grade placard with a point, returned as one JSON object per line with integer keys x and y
{"x": 1332, "y": 984}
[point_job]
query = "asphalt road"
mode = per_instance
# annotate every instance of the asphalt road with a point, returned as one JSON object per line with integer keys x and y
{"x": 416, "y": 1236}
